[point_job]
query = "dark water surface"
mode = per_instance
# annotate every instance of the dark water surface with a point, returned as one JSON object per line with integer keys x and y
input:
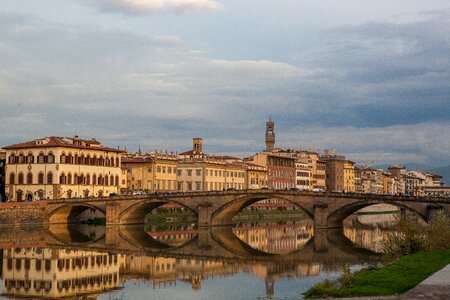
{"x": 265, "y": 260}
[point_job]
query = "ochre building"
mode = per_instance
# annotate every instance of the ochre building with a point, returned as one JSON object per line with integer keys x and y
{"x": 60, "y": 167}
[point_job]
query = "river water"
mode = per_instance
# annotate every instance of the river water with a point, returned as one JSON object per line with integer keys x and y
{"x": 251, "y": 260}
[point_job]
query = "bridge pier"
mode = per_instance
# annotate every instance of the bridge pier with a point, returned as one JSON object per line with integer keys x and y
{"x": 320, "y": 215}
{"x": 204, "y": 215}
{"x": 320, "y": 240}
{"x": 112, "y": 210}
{"x": 112, "y": 236}
{"x": 433, "y": 211}
{"x": 204, "y": 238}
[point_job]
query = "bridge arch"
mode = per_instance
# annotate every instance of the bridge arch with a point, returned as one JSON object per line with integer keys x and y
{"x": 224, "y": 214}
{"x": 337, "y": 217}
{"x": 135, "y": 213}
{"x": 70, "y": 212}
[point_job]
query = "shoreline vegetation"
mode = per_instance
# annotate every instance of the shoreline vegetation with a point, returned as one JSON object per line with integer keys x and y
{"x": 412, "y": 254}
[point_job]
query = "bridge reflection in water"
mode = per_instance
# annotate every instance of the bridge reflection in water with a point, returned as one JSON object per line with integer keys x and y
{"x": 63, "y": 261}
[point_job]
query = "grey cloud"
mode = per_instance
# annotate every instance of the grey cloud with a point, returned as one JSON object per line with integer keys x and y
{"x": 363, "y": 91}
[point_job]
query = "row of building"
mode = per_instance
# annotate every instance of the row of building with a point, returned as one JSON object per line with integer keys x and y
{"x": 61, "y": 167}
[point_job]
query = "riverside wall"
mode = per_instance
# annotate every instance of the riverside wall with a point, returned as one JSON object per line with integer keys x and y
{"x": 23, "y": 214}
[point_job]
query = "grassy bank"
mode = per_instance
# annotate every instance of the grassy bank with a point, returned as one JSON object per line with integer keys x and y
{"x": 169, "y": 216}
{"x": 395, "y": 278}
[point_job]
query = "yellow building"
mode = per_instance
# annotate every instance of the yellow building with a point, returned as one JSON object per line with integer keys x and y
{"x": 256, "y": 176}
{"x": 153, "y": 172}
{"x": 60, "y": 167}
{"x": 55, "y": 273}
{"x": 208, "y": 174}
{"x": 349, "y": 177}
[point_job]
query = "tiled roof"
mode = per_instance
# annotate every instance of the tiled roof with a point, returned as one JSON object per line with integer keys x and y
{"x": 55, "y": 141}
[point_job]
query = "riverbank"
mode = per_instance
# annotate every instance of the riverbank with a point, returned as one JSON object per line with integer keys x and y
{"x": 393, "y": 279}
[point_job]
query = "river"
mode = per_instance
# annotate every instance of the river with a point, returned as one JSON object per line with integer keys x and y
{"x": 251, "y": 260}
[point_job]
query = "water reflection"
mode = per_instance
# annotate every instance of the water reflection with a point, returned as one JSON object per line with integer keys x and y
{"x": 273, "y": 259}
{"x": 370, "y": 231}
{"x": 276, "y": 238}
{"x": 58, "y": 273}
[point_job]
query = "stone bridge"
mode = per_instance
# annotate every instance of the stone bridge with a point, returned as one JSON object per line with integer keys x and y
{"x": 328, "y": 210}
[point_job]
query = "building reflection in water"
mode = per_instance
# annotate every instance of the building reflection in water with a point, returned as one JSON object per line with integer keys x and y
{"x": 370, "y": 231}
{"x": 58, "y": 273}
{"x": 276, "y": 238}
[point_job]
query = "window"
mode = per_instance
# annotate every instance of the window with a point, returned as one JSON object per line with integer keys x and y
{"x": 41, "y": 178}
{"x": 158, "y": 169}
{"x": 62, "y": 178}
{"x": 164, "y": 169}
{"x": 189, "y": 172}
{"x": 198, "y": 172}
{"x": 117, "y": 180}
{"x": 29, "y": 178}
{"x": 12, "y": 159}
{"x": 30, "y": 158}
{"x": 179, "y": 173}
{"x": 169, "y": 170}
{"x": 198, "y": 185}
{"x": 12, "y": 178}
{"x": 41, "y": 158}
{"x": 50, "y": 178}
{"x": 149, "y": 170}
{"x": 20, "y": 178}
{"x": 94, "y": 179}
{"x": 50, "y": 158}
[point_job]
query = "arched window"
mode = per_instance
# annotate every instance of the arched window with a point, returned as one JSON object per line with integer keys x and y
{"x": 81, "y": 179}
{"x": 117, "y": 180}
{"x": 75, "y": 159}
{"x": 69, "y": 158}
{"x": 30, "y": 158}
{"x": 62, "y": 178}
{"x": 75, "y": 178}
{"x": 106, "y": 180}
{"x": 62, "y": 158}
{"x": 88, "y": 160}
{"x": 50, "y": 158}
{"x": 112, "y": 161}
{"x": 107, "y": 161}
{"x": 30, "y": 178}
{"x": 21, "y": 158}
{"x": 41, "y": 158}
{"x": 94, "y": 179}
{"x": 20, "y": 181}
{"x": 81, "y": 160}
{"x": 88, "y": 179}
{"x": 12, "y": 159}
{"x": 101, "y": 161}
{"x": 41, "y": 178}
{"x": 111, "y": 180}
{"x": 100, "y": 180}
{"x": 117, "y": 162}
{"x": 69, "y": 194}
{"x": 12, "y": 178}
{"x": 69, "y": 178}
{"x": 49, "y": 178}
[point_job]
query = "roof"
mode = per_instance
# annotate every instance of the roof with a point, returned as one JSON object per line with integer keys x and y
{"x": 55, "y": 141}
{"x": 137, "y": 159}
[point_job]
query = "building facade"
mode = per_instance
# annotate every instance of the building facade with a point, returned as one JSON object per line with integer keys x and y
{"x": 280, "y": 169}
{"x": 61, "y": 167}
{"x": 349, "y": 177}
{"x": 334, "y": 172}
{"x": 2, "y": 175}
{"x": 151, "y": 172}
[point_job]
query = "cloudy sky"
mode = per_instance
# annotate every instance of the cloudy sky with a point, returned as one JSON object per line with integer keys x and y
{"x": 368, "y": 78}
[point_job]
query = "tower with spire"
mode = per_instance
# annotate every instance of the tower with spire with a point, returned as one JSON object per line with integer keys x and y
{"x": 270, "y": 135}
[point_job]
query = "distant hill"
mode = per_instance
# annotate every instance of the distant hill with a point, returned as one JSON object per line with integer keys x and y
{"x": 444, "y": 172}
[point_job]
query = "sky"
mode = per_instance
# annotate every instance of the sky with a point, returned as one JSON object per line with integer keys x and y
{"x": 370, "y": 79}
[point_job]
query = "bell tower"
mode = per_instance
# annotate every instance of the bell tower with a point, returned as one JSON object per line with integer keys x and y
{"x": 270, "y": 135}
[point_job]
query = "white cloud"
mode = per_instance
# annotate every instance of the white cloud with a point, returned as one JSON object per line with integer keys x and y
{"x": 151, "y": 6}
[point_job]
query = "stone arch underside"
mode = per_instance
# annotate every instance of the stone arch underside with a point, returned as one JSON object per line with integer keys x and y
{"x": 135, "y": 214}
{"x": 337, "y": 217}
{"x": 225, "y": 214}
{"x": 75, "y": 235}
{"x": 71, "y": 213}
